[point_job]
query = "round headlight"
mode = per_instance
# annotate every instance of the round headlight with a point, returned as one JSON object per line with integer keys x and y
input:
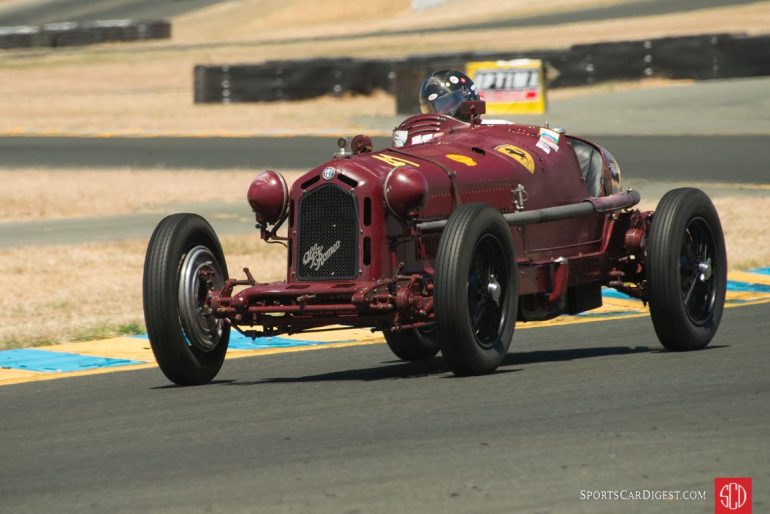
{"x": 405, "y": 191}
{"x": 268, "y": 196}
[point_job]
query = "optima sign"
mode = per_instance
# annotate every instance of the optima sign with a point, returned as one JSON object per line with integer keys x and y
{"x": 510, "y": 87}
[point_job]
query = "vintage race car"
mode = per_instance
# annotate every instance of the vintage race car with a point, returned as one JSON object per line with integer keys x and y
{"x": 443, "y": 242}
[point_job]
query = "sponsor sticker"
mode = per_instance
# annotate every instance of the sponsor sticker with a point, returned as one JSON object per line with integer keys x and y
{"x": 550, "y": 138}
{"x": 519, "y": 155}
{"x": 543, "y": 146}
{"x": 462, "y": 159}
{"x": 732, "y": 495}
{"x": 510, "y": 87}
{"x": 328, "y": 173}
{"x": 549, "y": 134}
{"x": 399, "y": 137}
{"x": 548, "y": 143}
{"x": 394, "y": 161}
{"x": 422, "y": 138}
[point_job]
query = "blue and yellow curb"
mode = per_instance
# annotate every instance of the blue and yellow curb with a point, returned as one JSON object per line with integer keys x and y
{"x": 130, "y": 353}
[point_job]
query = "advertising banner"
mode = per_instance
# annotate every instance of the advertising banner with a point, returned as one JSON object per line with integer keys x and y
{"x": 510, "y": 87}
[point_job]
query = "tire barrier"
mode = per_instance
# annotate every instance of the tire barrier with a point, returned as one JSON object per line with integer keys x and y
{"x": 703, "y": 57}
{"x": 710, "y": 56}
{"x": 54, "y": 35}
{"x": 291, "y": 80}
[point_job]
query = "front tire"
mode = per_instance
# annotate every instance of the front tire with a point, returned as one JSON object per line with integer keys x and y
{"x": 184, "y": 261}
{"x": 476, "y": 291}
{"x": 686, "y": 270}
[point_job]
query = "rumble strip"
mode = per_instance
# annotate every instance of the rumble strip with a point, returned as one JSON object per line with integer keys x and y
{"x": 131, "y": 353}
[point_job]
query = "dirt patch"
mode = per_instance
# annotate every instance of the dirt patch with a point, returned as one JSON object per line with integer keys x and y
{"x": 34, "y": 194}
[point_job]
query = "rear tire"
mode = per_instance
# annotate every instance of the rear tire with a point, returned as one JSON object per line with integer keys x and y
{"x": 476, "y": 290}
{"x": 686, "y": 270}
{"x": 183, "y": 256}
{"x": 412, "y": 344}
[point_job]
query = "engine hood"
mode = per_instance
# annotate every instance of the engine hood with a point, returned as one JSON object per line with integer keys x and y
{"x": 485, "y": 162}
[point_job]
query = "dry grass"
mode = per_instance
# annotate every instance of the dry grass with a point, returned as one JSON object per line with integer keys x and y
{"x": 147, "y": 88}
{"x": 746, "y": 224}
{"x": 170, "y": 111}
{"x": 105, "y": 192}
{"x": 88, "y": 291}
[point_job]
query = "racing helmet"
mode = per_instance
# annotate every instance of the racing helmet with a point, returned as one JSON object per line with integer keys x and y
{"x": 444, "y": 91}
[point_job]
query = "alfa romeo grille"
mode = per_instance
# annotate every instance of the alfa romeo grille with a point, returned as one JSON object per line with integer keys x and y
{"x": 327, "y": 235}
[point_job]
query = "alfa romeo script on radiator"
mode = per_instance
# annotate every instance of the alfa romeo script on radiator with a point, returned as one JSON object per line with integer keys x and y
{"x": 317, "y": 256}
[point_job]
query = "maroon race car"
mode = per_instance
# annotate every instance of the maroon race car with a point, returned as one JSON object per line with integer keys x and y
{"x": 442, "y": 243}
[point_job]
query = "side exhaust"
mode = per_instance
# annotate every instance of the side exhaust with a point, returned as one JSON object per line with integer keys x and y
{"x": 588, "y": 206}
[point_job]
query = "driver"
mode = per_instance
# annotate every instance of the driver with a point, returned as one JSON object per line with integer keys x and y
{"x": 444, "y": 91}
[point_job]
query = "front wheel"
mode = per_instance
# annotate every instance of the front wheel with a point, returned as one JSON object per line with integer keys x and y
{"x": 184, "y": 262}
{"x": 476, "y": 293}
{"x": 686, "y": 270}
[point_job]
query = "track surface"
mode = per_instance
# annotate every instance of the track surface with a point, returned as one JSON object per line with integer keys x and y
{"x": 594, "y": 406}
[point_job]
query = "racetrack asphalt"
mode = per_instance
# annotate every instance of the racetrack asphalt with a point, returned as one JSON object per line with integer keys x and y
{"x": 580, "y": 407}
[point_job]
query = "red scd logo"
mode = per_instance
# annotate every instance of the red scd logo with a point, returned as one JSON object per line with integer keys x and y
{"x": 732, "y": 495}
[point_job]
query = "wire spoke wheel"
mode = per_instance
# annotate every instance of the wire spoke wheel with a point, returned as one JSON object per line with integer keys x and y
{"x": 686, "y": 270}
{"x": 476, "y": 295}
{"x": 697, "y": 277}
{"x": 486, "y": 286}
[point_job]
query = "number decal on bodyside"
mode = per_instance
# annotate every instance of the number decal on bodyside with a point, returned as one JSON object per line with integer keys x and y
{"x": 394, "y": 161}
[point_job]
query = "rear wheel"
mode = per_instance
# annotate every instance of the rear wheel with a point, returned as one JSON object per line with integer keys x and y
{"x": 184, "y": 262}
{"x": 476, "y": 294}
{"x": 686, "y": 270}
{"x": 413, "y": 344}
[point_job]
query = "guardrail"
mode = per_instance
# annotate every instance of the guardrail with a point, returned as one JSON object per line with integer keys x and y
{"x": 702, "y": 57}
{"x": 53, "y": 35}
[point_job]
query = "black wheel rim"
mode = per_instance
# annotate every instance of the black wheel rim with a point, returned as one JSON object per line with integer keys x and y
{"x": 487, "y": 287}
{"x": 698, "y": 271}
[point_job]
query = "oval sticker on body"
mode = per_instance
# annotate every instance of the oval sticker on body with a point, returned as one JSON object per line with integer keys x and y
{"x": 519, "y": 155}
